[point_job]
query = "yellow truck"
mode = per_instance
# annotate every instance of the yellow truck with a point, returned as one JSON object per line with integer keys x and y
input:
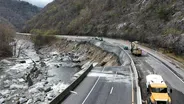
{"x": 159, "y": 98}
{"x": 135, "y": 50}
{"x": 157, "y": 90}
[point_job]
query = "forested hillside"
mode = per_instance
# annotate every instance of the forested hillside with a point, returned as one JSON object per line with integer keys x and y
{"x": 16, "y": 12}
{"x": 156, "y": 22}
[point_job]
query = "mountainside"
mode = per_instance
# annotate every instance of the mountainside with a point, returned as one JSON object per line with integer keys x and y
{"x": 16, "y": 12}
{"x": 156, "y": 22}
{"x": 5, "y": 21}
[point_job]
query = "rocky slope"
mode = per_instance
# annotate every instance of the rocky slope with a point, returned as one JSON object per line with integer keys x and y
{"x": 16, "y": 12}
{"x": 148, "y": 21}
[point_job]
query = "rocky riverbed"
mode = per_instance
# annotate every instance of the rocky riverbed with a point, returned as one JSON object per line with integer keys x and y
{"x": 37, "y": 76}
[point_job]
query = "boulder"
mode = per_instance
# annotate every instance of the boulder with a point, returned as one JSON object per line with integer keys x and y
{"x": 22, "y": 100}
{"x": 2, "y": 100}
{"x": 47, "y": 89}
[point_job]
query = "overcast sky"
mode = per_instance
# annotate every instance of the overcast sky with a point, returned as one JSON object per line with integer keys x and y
{"x": 39, "y": 3}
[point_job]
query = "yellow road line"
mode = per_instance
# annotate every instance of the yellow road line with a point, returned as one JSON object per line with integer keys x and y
{"x": 132, "y": 86}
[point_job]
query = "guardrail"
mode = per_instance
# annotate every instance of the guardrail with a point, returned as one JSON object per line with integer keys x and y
{"x": 139, "y": 98}
{"x": 124, "y": 59}
{"x": 116, "y": 50}
{"x": 72, "y": 86}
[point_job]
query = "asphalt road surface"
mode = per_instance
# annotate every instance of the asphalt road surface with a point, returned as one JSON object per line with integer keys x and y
{"x": 109, "y": 85}
{"x": 147, "y": 64}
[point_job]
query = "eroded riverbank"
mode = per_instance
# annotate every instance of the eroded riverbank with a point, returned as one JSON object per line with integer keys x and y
{"x": 37, "y": 76}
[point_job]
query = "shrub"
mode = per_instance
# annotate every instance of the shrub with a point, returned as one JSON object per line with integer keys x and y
{"x": 83, "y": 18}
{"x": 164, "y": 13}
{"x": 51, "y": 32}
{"x": 44, "y": 32}
{"x": 6, "y": 37}
{"x": 41, "y": 40}
{"x": 172, "y": 31}
{"x": 36, "y": 31}
{"x": 78, "y": 5}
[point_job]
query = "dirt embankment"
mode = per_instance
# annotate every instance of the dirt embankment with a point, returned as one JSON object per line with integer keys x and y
{"x": 84, "y": 49}
{"x": 89, "y": 51}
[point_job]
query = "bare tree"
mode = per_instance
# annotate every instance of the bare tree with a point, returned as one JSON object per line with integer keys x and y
{"x": 6, "y": 37}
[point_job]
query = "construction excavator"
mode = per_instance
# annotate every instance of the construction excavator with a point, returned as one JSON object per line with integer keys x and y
{"x": 135, "y": 50}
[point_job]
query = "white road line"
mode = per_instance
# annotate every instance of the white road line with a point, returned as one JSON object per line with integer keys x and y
{"x": 103, "y": 69}
{"x": 164, "y": 63}
{"x": 116, "y": 74}
{"x": 111, "y": 90}
{"x": 176, "y": 75}
{"x": 92, "y": 88}
{"x": 73, "y": 92}
{"x": 113, "y": 81}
